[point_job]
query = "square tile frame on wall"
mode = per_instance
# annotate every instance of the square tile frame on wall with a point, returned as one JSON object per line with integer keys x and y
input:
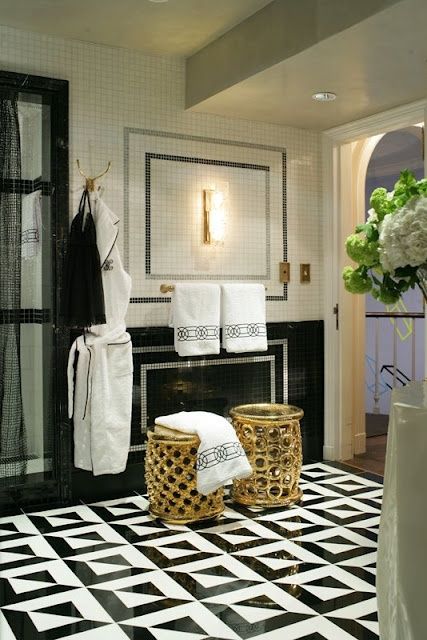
{"x": 179, "y": 159}
{"x": 147, "y": 368}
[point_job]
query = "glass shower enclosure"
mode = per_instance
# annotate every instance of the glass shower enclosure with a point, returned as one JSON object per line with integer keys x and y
{"x": 34, "y": 430}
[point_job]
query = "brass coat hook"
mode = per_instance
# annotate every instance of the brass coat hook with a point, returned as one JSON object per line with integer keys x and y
{"x": 90, "y": 182}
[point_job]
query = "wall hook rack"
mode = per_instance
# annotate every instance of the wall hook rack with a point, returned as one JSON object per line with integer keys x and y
{"x": 90, "y": 181}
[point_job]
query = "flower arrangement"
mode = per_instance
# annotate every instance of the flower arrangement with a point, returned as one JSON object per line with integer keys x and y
{"x": 391, "y": 247}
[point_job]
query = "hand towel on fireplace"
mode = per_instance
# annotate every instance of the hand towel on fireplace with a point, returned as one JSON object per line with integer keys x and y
{"x": 195, "y": 317}
{"x": 243, "y": 317}
{"x": 220, "y": 456}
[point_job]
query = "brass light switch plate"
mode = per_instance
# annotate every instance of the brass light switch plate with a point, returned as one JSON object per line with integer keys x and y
{"x": 304, "y": 273}
{"x": 284, "y": 271}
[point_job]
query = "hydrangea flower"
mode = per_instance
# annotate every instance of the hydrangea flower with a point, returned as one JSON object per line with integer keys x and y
{"x": 355, "y": 281}
{"x": 391, "y": 247}
{"x": 403, "y": 236}
{"x": 362, "y": 250}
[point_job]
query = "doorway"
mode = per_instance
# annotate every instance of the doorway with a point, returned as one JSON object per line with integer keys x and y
{"x": 347, "y": 151}
{"x": 394, "y": 337}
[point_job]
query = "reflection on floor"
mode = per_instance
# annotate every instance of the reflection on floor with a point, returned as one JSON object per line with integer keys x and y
{"x": 109, "y": 571}
{"x": 376, "y": 424}
{"x": 374, "y": 458}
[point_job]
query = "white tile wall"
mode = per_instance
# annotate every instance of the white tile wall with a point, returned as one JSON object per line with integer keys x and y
{"x": 112, "y": 88}
{"x": 251, "y": 177}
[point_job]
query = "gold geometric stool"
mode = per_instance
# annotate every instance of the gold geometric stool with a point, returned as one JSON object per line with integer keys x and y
{"x": 170, "y": 475}
{"x": 271, "y": 436}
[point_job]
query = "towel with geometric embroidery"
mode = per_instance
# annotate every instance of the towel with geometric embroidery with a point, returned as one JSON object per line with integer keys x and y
{"x": 220, "y": 456}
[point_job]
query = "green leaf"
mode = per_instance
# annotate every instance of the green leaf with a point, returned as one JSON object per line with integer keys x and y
{"x": 372, "y": 233}
{"x": 405, "y": 272}
{"x": 360, "y": 228}
{"x": 375, "y": 279}
{"x": 403, "y": 285}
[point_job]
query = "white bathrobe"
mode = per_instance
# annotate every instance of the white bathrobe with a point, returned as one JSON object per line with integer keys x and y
{"x": 100, "y": 365}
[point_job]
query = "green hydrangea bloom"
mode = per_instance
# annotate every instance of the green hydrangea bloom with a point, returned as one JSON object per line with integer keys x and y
{"x": 356, "y": 282}
{"x": 382, "y": 202}
{"x": 378, "y": 199}
{"x": 362, "y": 250}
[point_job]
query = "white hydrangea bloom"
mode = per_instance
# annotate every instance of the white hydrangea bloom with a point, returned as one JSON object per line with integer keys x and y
{"x": 372, "y": 216}
{"x": 403, "y": 236}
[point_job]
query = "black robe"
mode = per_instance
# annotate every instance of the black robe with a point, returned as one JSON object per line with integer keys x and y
{"x": 82, "y": 291}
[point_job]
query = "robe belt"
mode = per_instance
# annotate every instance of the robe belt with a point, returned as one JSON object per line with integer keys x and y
{"x": 87, "y": 342}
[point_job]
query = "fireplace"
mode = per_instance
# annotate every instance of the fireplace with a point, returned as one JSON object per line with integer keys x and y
{"x": 290, "y": 371}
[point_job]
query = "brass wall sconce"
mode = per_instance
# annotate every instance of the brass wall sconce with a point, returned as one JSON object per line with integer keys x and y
{"x": 213, "y": 216}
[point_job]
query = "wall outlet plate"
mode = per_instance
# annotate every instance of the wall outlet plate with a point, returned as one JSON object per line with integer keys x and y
{"x": 284, "y": 271}
{"x": 304, "y": 273}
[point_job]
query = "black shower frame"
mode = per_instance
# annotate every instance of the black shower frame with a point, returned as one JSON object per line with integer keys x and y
{"x": 37, "y": 490}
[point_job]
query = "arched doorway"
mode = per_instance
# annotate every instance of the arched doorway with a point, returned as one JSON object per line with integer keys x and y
{"x": 392, "y": 335}
{"x": 344, "y": 149}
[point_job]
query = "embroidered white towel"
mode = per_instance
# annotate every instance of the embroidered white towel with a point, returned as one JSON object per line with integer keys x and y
{"x": 31, "y": 224}
{"x": 195, "y": 314}
{"x": 220, "y": 456}
{"x": 243, "y": 317}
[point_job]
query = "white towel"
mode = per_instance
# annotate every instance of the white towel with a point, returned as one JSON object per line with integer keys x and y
{"x": 220, "y": 456}
{"x": 100, "y": 401}
{"x": 195, "y": 315}
{"x": 31, "y": 224}
{"x": 243, "y": 317}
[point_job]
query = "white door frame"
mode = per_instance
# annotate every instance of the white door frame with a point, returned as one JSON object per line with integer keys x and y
{"x": 341, "y": 364}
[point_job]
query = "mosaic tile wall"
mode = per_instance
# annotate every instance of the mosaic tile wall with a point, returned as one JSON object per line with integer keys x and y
{"x": 165, "y": 175}
{"x": 113, "y": 90}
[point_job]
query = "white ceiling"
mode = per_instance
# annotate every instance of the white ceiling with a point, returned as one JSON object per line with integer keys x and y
{"x": 176, "y": 27}
{"x": 378, "y": 63}
{"x": 375, "y": 65}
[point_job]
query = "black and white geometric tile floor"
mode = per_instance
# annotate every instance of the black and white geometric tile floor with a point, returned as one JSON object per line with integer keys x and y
{"x": 108, "y": 571}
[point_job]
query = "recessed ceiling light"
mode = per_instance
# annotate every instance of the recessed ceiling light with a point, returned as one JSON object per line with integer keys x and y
{"x": 157, "y": 1}
{"x": 324, "y": 96}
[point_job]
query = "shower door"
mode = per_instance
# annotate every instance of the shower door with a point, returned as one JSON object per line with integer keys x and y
{"x": 34, "y": 430}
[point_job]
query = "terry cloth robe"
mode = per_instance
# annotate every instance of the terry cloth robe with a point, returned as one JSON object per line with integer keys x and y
{"x": 100, "y": 365}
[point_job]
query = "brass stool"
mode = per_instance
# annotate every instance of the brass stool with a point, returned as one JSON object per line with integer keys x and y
{"x": 271, "y": 437}
{"x": 170, "y": 475}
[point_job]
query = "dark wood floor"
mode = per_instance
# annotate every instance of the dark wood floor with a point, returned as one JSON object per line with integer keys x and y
{"x": 374, "y": 458}
{"x": 376, "y": 424}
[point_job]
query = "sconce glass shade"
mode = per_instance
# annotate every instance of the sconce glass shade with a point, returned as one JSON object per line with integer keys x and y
{"x": 214, "y": 216}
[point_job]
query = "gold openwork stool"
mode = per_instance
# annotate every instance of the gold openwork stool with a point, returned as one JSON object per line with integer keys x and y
{"x": 271, "y": 437}
{"x": 170, "y": 474}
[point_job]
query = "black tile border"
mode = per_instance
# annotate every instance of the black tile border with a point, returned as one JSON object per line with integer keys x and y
{"x": 24, "y": 316}
{"x": 204, "y": 161}
{"x": 14, "y": 185}
{"x": 128, "y": 131}
{"x": 284, "y": 227}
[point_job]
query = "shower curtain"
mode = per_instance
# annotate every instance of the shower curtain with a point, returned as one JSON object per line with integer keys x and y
{"x": 13, "y": 447}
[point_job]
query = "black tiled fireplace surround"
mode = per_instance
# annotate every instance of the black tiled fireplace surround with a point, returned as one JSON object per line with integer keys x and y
{"x": 164, "y": 383}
